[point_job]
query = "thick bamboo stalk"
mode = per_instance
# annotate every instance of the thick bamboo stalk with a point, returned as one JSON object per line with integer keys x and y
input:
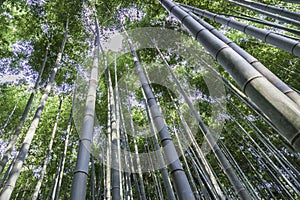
{"x": 182, "y": 186}
{"x": 239, "y": 188}
{"x": 282, "y": 111}
{"x": 163, "y": 171}
{"x": 270, "y": 37}
{"x": 272, "y": 9}
{"x": 292, "y": 1}
{"x": 78, "y": 190}
{"x": 263, "y": 22}
{"x": 283, "y": 87}
{"x": 274, "y": 16}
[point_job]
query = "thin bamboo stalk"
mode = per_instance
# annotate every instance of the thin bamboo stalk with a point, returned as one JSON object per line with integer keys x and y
{"x": 140, "y": 174}
{"x": 118, "y": 123}
{"x": 127, "y": 157}
{"x": 279, "y": 157}
{"x": 9, "y": 117}
{"x": 196, "y": 192}
{"x": 46, "y": 160}
{"x": 64, "y": 154}
{"x": 12, "y": 179}
{"x": 18, "y": 130}
{"x": 207, "y": 172}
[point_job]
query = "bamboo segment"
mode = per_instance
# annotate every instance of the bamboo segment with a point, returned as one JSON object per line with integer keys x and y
{"x": 272, "y": 9}
{"x": 282, "y": 111}
{"x": 264, "y": 22}
{"x": 64, "y": 154}
{"x": 46, "y": 160}
{"x": 16, "y": 170}
{"x": 239, "y": 188}
{"x": 284, "y": 88}
{"x": 270, "y": 37}
{"x": 278, "y": 17}
{"x": 115, "y": 175}
{"x": 78, "y": 190}
{"x": 163, "y": 171}
{"x": 182, "y": 186}
{"x": 18, "y": 130}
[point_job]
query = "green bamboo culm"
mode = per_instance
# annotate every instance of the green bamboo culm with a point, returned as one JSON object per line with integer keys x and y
{"x": 268, "y": 14}
{"x": 18, "y": 130}
{"x": 181, "y": 183}
{"x": 281, "y": 110}
{"x": 272, "y": 9}
{"x": 20, "y": 159}
{"x": 282, "y": 42}
{"x": 115, "y": 176}
{"x": 277, "y": 82}
{"x": 79, "y": 182}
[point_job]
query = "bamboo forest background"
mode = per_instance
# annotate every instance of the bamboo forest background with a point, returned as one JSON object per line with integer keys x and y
{"x": 51, "y": 94}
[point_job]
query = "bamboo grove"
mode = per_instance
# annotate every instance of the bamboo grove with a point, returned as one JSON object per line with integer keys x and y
{"x": 150, "y": 99}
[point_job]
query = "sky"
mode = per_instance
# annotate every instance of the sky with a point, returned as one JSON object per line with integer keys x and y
{"x": 9, "y": 74}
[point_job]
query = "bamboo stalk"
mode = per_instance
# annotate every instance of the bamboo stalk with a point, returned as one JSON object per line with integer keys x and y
{"x": 181, "y": 183}
{"x": 78, "y": 190}
{"x": 272, "y": 9}
{"x": 282, "y": 111}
